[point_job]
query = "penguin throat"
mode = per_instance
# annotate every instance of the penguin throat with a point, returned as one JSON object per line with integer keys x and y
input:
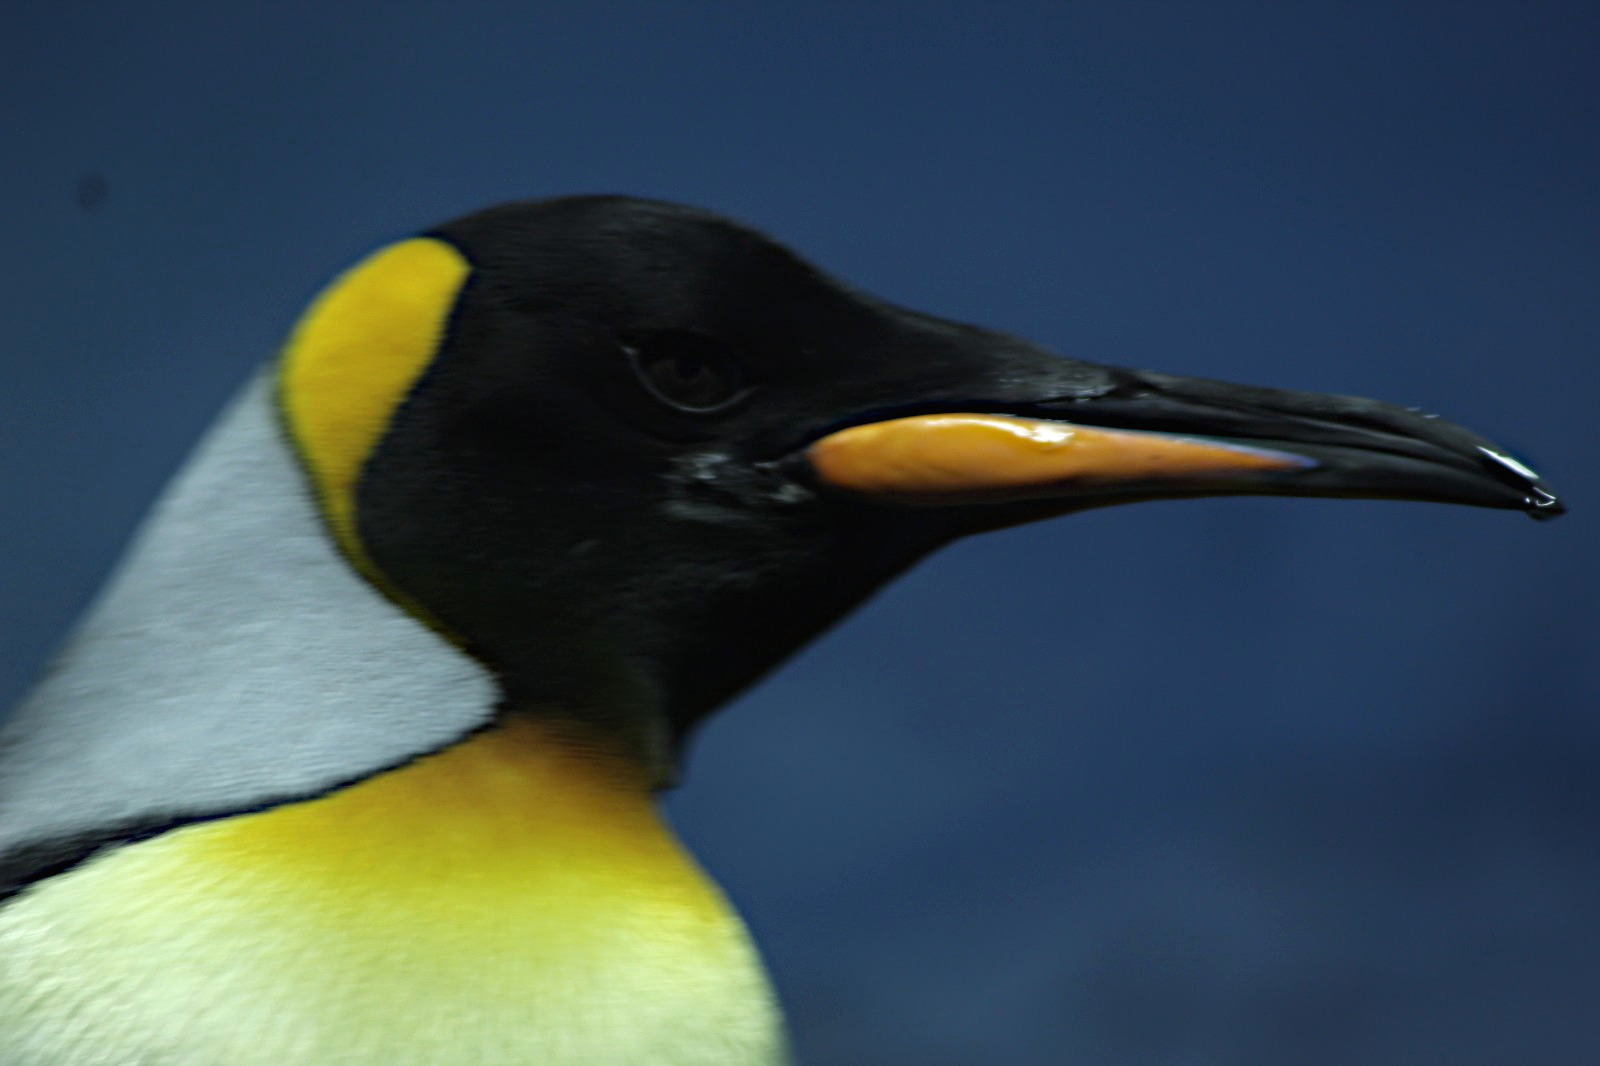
{"x": 529, "y": 804}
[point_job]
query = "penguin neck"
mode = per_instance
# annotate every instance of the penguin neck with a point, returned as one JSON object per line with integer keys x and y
{"x": 307, "y": 818}
{"x": 235, "y": 661}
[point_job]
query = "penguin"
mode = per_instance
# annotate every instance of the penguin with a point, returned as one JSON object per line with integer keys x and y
{"x": 356, "y": 758}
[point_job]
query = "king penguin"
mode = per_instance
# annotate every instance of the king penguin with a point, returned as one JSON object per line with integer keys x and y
{"x": 355, "y": 760}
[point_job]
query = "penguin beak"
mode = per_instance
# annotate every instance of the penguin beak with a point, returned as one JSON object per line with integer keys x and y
{"x": 1152, "y": 436}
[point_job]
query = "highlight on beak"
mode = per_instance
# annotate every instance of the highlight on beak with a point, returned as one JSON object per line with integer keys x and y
{"x": 1149, "y": 436}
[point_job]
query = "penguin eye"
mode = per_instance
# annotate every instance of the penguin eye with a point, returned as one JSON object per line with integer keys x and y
{"x": 689, "y": 371}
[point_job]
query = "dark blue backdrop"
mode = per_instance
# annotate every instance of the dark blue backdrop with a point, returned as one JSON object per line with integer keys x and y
{"x": 1202, "y": 783}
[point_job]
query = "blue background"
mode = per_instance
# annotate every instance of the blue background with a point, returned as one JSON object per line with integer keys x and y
{"x": 1245, "y": 781}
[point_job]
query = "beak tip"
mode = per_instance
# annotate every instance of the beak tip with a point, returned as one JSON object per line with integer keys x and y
{"x": 1541, "y": 506}
{"x": 1539, "y": 503}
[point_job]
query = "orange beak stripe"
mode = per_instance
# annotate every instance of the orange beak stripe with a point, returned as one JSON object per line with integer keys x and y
{"x": 954, "y": 458}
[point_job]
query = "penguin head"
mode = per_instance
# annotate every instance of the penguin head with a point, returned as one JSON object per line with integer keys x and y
{"x": 631, "y": 455}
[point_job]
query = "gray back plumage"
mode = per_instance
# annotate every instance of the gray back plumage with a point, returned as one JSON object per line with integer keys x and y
{"x": 234, "y": 660}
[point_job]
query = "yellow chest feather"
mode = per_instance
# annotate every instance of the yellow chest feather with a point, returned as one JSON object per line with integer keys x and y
{"x": 514, "y": 900}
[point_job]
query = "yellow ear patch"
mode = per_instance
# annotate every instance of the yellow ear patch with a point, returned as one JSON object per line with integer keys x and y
{"x": 353, "y": 358}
